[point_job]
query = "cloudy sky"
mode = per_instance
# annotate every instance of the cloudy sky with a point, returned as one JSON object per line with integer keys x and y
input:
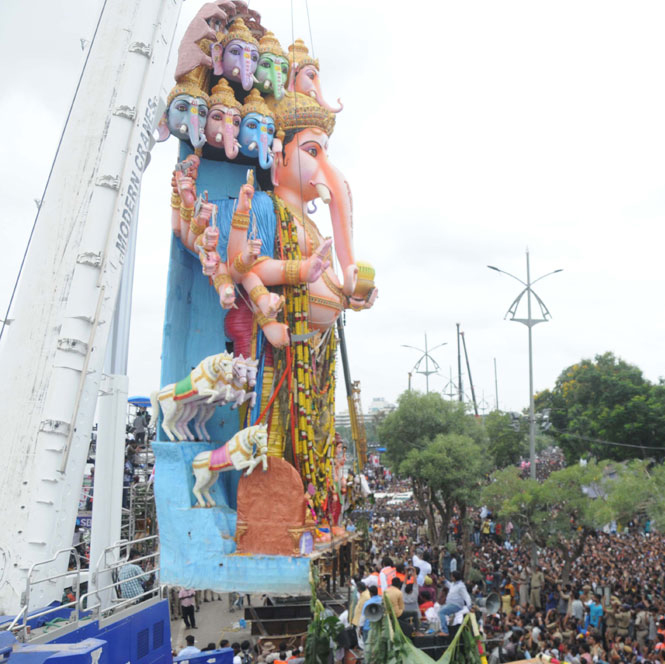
{"x": 471, "y": 131}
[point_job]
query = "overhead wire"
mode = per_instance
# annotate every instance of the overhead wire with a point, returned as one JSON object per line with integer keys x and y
{"x": 48, "y": 179}
{"x": 601, "y": 441}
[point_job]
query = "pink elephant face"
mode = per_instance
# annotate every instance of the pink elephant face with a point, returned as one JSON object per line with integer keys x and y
{"x": 301, "y": 169}
{"x": 307, "y": 82}
{"x": 219, "y": 119}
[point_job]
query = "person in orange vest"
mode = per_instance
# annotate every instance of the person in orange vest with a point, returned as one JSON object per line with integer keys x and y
{"x": 281, "y": 660}
{"x": 399, "y": 572}
{"x": 386, "y": 575}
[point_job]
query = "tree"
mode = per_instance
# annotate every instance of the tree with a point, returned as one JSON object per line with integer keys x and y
{"x": 640, "y": 491}
{"x": 596, "y": 403}
{"x": 559, "y": 512}
{"x": 441, "y": 449}
{"x": 507, "y": 439}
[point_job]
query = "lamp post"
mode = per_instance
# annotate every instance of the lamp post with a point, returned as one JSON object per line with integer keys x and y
{"x": 427, "y": 357}
{"x": 529, "y": 322}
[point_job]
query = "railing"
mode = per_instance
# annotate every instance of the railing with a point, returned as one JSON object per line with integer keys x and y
{"x": 23, "y": 627}
{"x": 120, "y": 553}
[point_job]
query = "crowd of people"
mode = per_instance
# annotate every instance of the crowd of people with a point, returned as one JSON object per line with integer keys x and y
{"x": 245, "y": 653}
{"x": 609, "y": 607}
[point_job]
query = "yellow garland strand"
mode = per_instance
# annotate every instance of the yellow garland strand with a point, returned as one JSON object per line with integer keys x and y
{"x": 305, "y": 382}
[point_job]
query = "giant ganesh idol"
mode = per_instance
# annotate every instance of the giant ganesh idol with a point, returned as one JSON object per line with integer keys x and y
{"x": 252, "y": 300}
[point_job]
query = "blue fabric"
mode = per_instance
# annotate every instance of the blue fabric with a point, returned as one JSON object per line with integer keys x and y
{"x": 196, "y": 543}
{"x": 445, "y": 611}
{"x": 595, "y": 613}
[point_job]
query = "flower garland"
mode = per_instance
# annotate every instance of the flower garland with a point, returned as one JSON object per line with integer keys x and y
{"x": 307, "y": 411}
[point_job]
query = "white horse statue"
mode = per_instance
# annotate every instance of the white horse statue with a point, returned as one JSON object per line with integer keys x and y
{"x": 241, "y": 390}
{"x": 204, "y": 381}
{"x": 246, "y": 450}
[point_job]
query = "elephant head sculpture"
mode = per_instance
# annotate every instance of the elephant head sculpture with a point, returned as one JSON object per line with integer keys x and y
{"x": 304, "y": 173}
{"x": 304, "y": 75}
{"x": 257, "y": 130}
{"x": 186, "y": 114}
{"x": 236, "y": 56}
{"x": 223, "y": 124}
{"x": 273, "y": 69}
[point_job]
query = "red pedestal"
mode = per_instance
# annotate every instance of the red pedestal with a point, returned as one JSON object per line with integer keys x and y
{"x": 271, "y": 510}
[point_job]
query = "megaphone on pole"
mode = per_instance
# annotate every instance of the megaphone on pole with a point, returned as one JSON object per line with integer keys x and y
{"x": 374, "y": 612}
{"x": 489, "y": 604}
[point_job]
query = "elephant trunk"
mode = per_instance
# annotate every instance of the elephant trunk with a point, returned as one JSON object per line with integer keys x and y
{"x": 229, "y": 138}
{"x": 265, "y": 157}
{"x": 339, "y": 199}
{"x": 328, "y": 107}
{"x": 313, "y": 89}
{"x": 278, "y": 82}
{"x": 195, "y": 130}
{"x": 246, "y": 73}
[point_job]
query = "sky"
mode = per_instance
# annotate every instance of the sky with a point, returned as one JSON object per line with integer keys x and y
{"x": 470, "y": 131}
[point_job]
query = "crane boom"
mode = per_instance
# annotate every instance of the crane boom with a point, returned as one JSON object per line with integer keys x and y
{"x": 52, "y": 355}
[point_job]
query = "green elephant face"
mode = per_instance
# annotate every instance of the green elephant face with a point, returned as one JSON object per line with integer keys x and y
{"x": 271, "y": 73}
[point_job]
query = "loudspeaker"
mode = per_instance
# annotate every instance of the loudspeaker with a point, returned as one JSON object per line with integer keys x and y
{"x": 374, "y": 612}
{"x": 489, "y": 604}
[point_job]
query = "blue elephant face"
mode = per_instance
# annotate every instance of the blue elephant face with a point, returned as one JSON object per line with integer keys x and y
{"x": 256, "y": 135}
{"x": 186, "y": 118}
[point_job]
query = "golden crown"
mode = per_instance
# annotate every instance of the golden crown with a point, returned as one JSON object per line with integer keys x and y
{"x": 299, "y": 55}
{"x": 298, "y": 111}
{"x": 254, "y": 104}
{"x": 189, "y": 85}
{"x": 223, "y": 94}
{"x": 269, "y": 44}
{"x": 238, "y": 30}
{"x": 194, "y": 83}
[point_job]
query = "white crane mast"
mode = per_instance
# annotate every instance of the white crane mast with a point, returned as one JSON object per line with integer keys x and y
{"x": 52, "y": 354}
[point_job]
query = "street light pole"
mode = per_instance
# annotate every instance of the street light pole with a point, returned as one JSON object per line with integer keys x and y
{"x": 529, "y": 322}
{"x": 427, "y": 357}
{"x": 532, "y": 416}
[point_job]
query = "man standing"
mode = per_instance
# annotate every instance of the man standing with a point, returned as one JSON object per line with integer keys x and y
{"x": 537, "y": 581}
{"x": 595, "y": 612}
{"x": 363, "y": 596}
{"x": 394, "y": 594}
{"x": 423, "y": 565}
{"x": 186, "y": 597}
{"x": 190, "y": 649}
{"x": 139, "y": 427}
{"x": 131, "y": 576}
{"x": 387, "y": 574}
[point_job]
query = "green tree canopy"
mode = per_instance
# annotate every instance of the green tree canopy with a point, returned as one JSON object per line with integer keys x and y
{"x": 641, "y": 491}
{"x": 507, "y": 438}
{"x": 441, "y": 449}
{"x": 559, "y": 512}
{"x": 605, "y": 399}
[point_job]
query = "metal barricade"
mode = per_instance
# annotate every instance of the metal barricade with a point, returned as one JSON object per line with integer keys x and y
{"x": 110, "y": 562}
{"x": 119, "y": 553}
{"x": 20, "y": 623}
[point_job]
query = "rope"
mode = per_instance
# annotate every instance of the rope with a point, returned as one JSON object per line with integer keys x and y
{"x": 309, "y": 25}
